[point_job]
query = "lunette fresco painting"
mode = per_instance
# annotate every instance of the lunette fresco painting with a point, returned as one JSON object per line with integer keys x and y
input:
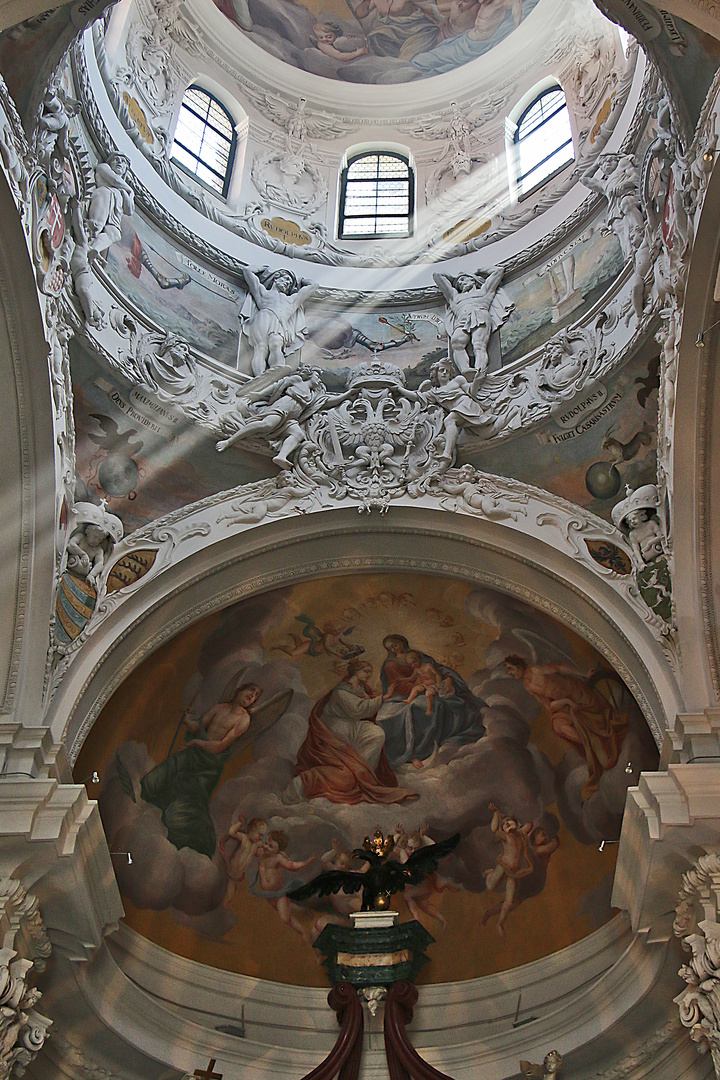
{"x": 262, "y": 744}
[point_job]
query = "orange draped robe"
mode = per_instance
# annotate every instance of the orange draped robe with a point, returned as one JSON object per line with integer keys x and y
{"x": 331, "y": 769}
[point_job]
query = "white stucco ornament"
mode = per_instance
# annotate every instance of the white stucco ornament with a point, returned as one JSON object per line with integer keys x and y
{"x": 638, "y": 517}
{"x": 476, "y": 305}
{"x": 92, "y": 539}
{"x": 273, "y": 316}
{"x": 23, "y": 1030}
{"x": 285, "y": 179}
{"x": 699, "y": 1002}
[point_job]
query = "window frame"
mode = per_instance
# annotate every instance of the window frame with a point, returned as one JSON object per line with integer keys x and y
{"x": 213, "y": 99}
{"x": 378, "y": 153}
{"x": 518, "y": 176}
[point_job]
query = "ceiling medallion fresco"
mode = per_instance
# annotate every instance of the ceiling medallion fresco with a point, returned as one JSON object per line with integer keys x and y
{"x": 262, "y": 744}
{"x": 377, "y": 41}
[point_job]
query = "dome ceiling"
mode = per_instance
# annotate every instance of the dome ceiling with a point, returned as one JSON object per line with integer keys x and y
{"x": 456, "y": 732}
{"x": 377, "y": 41}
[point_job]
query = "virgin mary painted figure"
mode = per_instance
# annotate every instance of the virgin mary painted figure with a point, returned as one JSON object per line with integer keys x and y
{"x": 413, "y": 728}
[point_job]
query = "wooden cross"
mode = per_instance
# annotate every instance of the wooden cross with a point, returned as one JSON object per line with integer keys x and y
{"x": 208, "y": 1074}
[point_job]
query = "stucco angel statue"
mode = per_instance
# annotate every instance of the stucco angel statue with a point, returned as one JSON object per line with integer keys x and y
{"x": 549, "y": 1070}
{"x": 275, "y": 407}
{"x": 112, "y": 197}
{"x": 273, "y": 316}
{"x": 451, "y": 393}
{"x": 476, "y": 305}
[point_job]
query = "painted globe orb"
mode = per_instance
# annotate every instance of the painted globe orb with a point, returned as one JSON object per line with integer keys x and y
{"x": 602, "y": 480}
{"x": 118, "y": 475}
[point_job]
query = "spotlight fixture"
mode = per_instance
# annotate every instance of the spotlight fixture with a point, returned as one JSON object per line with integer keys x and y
{"x": 126, "y": 853}
{"x": 94, "y": 778}
{"x": 629, "y": 768}
{"x": 603, "y": 844}
{"x": 699, "y": 340}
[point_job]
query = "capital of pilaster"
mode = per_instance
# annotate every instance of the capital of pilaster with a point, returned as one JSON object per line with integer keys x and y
{"x": 30, "y": 751}
{"x": 670, "y": 818}
{"x": 692, "y": 738}
{"x": 51, "y": 839}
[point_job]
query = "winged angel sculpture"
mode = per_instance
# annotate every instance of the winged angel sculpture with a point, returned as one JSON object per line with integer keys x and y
{"x": 384, "y": 875}
{"x": 371, "y": 441}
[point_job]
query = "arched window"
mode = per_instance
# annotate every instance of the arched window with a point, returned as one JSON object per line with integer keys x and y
{"x": 376, "y": 197}
{"x": 543, "y": 140}
{"x": 204, "y": 142}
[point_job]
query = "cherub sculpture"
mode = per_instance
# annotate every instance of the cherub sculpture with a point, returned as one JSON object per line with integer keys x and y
{"x": 384, "y": 877}
{"x": 91, "y": 541}
{"x": 638, "y": 516}
{"x": 549, "y": 1070}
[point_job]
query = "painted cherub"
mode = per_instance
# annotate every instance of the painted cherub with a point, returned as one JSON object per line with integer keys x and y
{"x": 248, "y": 842}
{"x": 513, "y": 862}
{"x": 542, "y": 846}
{"x": 428, "y": 681}
{"x": 271, "y": 885}
{"x": 330, "y": 638}
{"x": 334, "y": 42}
{"x": 338, "y": 858}
{"x": 419, "y": 897}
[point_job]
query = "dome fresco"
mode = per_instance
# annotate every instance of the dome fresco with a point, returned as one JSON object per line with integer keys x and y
{"x": 377, "y": 41}
{"x": 384, "y": 700}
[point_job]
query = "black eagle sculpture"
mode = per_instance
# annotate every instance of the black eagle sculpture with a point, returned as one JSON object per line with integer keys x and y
{"x": 384, "y": 876}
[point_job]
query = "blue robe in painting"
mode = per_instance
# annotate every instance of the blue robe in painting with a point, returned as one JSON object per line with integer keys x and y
{"x": 410, "y": 734}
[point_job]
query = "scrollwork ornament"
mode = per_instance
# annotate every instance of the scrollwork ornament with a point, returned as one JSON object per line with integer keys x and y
{"x": 285, "y": 179}
{"x": 23, "y": 1029}
{"x": 699, "y": 1002}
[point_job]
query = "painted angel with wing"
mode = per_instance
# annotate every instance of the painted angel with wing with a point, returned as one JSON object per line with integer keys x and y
{"x": 587, "y": 710}
{"x": 181, "y": 785}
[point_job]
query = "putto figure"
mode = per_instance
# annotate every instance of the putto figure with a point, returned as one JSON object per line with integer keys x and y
{"x": 273, "y": 316}
{"x": 638, "y": 517}
{"x": 92, "y": 540}
{"x": 475, "y": 307}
